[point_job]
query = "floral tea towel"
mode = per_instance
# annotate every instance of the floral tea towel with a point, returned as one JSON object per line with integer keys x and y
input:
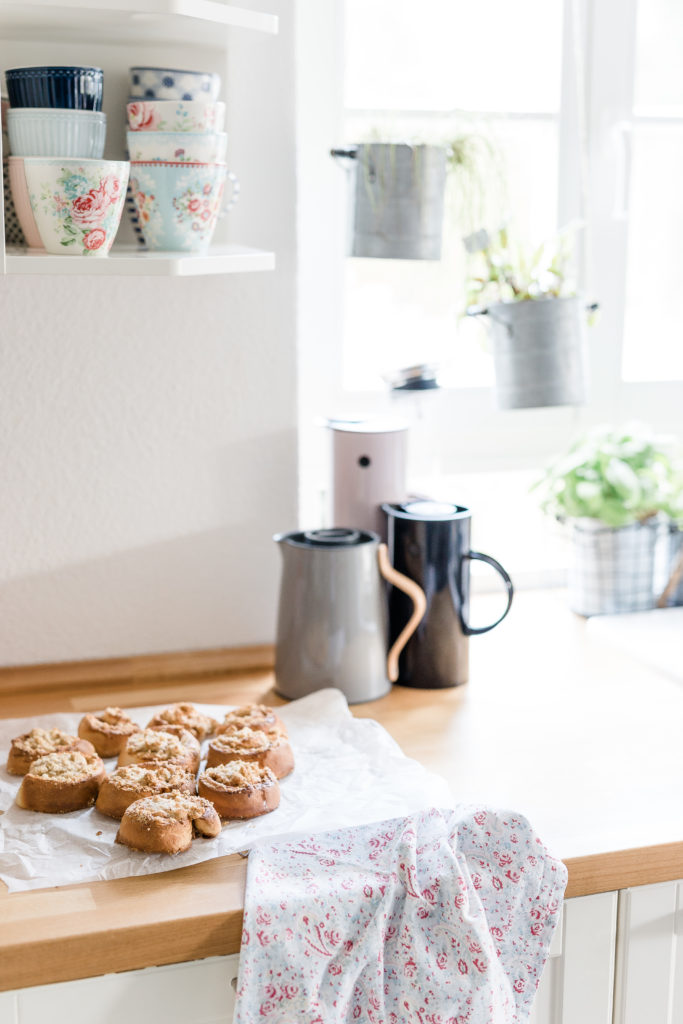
{"x": 441, "y": 917}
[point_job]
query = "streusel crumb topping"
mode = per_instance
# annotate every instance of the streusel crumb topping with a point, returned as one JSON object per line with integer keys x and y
{"x": 244, "y": 741}
{"x": 172, "y": 806}
{"x": 112, "y": 720}
{"x": 45, "y": 741}
{"x": 67, "y": 767}
{"x": 154, "y": 744}
{"x": 144, "y": 776}
{"x": 239, "y": 775}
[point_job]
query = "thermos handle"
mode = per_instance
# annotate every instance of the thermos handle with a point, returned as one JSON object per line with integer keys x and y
{"x": 415, "y": 593}
{"x": 478, "y": 556}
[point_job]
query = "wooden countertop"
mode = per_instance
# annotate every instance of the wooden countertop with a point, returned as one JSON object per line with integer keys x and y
{"x": 584, "y": 742}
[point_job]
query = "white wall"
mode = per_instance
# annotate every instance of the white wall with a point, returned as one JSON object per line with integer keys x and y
{"x": 148, "y": 426}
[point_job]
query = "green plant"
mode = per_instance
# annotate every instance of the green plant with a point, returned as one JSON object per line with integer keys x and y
{"x": 504, "y": 270}
{"x": 618, "y": 476}
{"x": 476, "y": 175}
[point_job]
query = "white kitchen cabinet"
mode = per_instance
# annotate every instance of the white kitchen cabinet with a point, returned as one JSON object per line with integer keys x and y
{"x": 614, "y": 959}
{"x": 201, "y": 992}
{"x": 578, "y": 980}
{"x": 649, "y": 969}
{"x": 115, "y": 34}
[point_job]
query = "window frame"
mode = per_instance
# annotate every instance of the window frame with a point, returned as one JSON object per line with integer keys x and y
{"x": 596, "y": 118}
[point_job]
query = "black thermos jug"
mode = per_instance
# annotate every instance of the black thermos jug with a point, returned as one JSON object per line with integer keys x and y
{"x": 429, "y": 541}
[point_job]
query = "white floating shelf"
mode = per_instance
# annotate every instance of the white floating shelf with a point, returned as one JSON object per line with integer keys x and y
{"x": 128, "y": 260}
{"x": 169, "y": 21}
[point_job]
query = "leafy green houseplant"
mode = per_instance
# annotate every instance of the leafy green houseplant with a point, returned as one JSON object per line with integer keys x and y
{"x": 536, "y": 320}
{"x": 506, "y": 270}
{"x": 621, "y": 491}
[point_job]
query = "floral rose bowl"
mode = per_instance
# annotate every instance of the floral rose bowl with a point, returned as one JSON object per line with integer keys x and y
{"x": 178, "y": 204}
{"x": 77, "y": 204}
{"x": 175, "y": 116}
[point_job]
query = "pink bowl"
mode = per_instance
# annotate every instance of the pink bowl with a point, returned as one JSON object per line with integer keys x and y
{"x": 22, "y": 203}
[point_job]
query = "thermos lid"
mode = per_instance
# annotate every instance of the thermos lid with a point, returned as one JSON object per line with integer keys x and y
{"x": 337, "y": 537}
{"x": 425, "y": 508}
{"x": 377, "y": 425}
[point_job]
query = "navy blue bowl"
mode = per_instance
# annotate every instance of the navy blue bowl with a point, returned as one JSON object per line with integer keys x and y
{"x": 76, "y": 88}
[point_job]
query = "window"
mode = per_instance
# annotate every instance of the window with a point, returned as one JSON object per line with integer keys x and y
{"x": 584, "y": 100}
{"x": 412, "y": 73}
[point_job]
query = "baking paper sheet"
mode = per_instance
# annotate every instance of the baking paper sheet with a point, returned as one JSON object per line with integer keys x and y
{"x": 349, "y": 771}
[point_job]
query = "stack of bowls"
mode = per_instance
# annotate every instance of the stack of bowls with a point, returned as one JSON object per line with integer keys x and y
{"x": 67, "y": 198}
{"x": 177, "y": 149}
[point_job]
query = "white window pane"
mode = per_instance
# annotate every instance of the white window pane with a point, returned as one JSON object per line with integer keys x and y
{"x": 453, "y": 54}
{"x": 399, "y": 313}
{"x": 653, "y": 337}
{"x": 659, "y": 71}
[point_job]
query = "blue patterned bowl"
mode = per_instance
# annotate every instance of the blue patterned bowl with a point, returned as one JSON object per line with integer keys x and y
{"x": 178, "y": 204}
{"x": 77, "y": 88}
{"x": 171, "y": 84}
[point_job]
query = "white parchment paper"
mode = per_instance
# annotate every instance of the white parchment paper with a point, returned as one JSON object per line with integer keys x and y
{"x": 349, "y": 771}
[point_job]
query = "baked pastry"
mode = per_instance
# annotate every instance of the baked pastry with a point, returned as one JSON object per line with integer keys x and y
{"x": 107, "y": 732}
{"x": 57, "y": 783}
{"x": 176, "y": 745}
{"x": 38, "y": 742}
{"x": 267, "y": 749}
{"x": 252, "y": 716}
{"x": 188, "y": 717}
{"x": 166, "y": 823}
{"x": 240, "y": 789}
{"x": 133, "y": 781}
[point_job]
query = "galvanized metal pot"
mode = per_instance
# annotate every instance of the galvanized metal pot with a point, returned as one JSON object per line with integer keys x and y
{"x": 538, "y": 352}
{"x": 398, "y": 200}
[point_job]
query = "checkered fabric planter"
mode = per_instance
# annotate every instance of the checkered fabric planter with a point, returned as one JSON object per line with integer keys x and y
{"x": 614, "y": 569}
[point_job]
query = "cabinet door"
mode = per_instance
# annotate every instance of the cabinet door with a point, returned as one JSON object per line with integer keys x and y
{"x": 577, "y": 984}
{"x": 201, "y": 992}
{"x": 649, "y": 988}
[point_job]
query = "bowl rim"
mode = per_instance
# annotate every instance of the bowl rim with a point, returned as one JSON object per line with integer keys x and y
{"x": 172, "y": 71}
{"x": 55, "y": 111}
{"x": 73, "y": 160}
{"x": 54, "y": 68}
{"x": 176, "y": 135}
{"x": 178, "y": 163}
{"x": 142, "y": 99}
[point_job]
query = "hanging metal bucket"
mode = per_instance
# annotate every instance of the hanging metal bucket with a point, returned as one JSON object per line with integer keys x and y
{"x": 613, "y": 570}
{"x": 538, "y": 352}
{"x": 398, "y": 200}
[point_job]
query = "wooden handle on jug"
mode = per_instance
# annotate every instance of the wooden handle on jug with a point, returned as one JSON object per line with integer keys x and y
{"x": 417, "y": 596}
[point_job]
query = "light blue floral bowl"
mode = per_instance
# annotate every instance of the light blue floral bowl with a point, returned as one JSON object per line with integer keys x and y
{"x": 178, "y": 204}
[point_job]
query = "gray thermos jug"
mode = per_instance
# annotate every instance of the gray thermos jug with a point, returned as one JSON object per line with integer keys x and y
{"x": 333, "y": 618}
{"x": 429, "y": 541}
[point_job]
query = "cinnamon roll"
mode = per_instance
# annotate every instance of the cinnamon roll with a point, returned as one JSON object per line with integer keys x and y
{"x": 162, "y": 745}
{"x": 187, "y": 716}
{"x": 57, "y": 783}
{"x": 166, "y": 823}
{"x": 252, "y": 716}
{"x": 107, "y": 732}
{"x": 38, "y": 742}
{"x": 267, "y": 749}
{"x": 239, "y": 789}
{"x": 134, "y": 781}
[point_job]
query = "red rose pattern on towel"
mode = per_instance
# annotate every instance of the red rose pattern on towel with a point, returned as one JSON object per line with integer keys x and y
{"x": 441, "y": 917}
